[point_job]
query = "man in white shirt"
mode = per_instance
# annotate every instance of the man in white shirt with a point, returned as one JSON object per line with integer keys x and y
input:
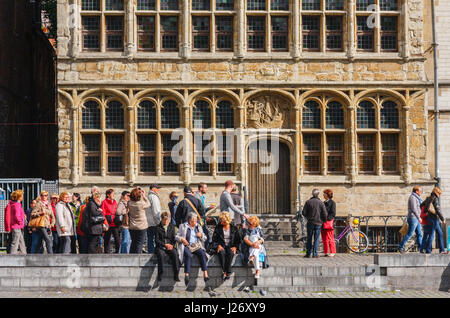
{"x": 153, "y": 214}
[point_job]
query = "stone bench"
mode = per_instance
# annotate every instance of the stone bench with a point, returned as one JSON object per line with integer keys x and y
{"x": 103, "y": 271}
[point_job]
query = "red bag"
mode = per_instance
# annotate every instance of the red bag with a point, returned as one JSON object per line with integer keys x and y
{"x": 328, "y": 225}
{"x": 424, "y": 216}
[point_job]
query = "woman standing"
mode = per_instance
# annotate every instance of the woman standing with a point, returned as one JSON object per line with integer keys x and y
{"x": 92, "y": 223}
{"x": 433, "y": 212}
{"x": 65, "y": 223}
{"x": 109, "y": 208}
{"x": 43, "y": 207}
{"x": 329, "y": 245}
{"x": 17, "y": 223}
{"x": 138, "y": 220}
{"x": 225, "y": 242}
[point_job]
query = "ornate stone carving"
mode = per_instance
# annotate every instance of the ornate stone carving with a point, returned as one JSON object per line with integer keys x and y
{"x": 266, "y": 112}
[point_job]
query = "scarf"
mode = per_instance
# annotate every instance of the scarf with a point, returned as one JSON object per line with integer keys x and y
{"x": 417, "y": 197}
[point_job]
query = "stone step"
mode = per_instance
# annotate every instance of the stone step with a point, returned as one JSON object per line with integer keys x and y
{"x": 309, "y": 289}
{"x": 315, "y": 271}
{"x": 325, "y": 281}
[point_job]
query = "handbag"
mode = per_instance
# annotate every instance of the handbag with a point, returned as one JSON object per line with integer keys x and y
{"x": 404, "y": 229}
{"x": 98, "y": 219}
{"x": 118, "y": 220}
{"x": 194, "y": 247}
{"x": 328, "y": 225}
{"x": 431, "y": 208}
{"x": 37, "y": 222}
{"x": 200, "y": 219}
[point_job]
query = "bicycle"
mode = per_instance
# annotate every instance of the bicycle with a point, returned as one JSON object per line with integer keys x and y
{"x": 355, "y": 240}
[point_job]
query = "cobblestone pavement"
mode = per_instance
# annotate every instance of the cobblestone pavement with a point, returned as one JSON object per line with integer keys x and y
{"x": 227, "y": 294}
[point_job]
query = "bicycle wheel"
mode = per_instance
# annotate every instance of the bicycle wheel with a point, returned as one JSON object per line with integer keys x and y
{"x": 357, "y": 241}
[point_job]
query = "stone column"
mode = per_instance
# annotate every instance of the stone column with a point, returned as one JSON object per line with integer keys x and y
{"x": 351, "y": 43}
{"x": 353, "y": 153}
{"x": 74, "y": 19}
{"x": 185, "y": 47}
{"x": 187, "y": 142}
{"x": 241, "y": 159}
{"x": 75, "y": 141}
{"x": 131, "y": 136}
{"x": 241, "y": 28}
{"x": 130, "y": 47}
{"x": 296, "y": 32}
{"x": 406, "y": 171}
{"x": 405, "y": 27}
{"x": 297, "y": 145}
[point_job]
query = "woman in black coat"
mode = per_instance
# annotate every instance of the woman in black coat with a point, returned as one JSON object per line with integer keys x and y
{"x": 165, "y": 244}
{"x": 225, "y": 242}
{"x": 92, "y": 223}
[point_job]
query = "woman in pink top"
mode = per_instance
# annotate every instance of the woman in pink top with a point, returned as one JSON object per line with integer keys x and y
{"x": 17, "y": 223}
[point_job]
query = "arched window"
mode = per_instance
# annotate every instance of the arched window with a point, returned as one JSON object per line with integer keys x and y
{"x": 311, "y": 115}
{"x": 224, "y": 115}
{"x": 366, "y": 115}
{"x": 91, "y": 115}
{"x": 170, "y": 115}
{"x": 114, "y": 115}
{"x": 334, "y": 115}
{"x": 202, "y": 115}
{"x": 146, "y": 115}
{"x": 389, "y": 115}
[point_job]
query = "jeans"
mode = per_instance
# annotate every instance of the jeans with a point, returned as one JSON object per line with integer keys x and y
{"x": 64, "y": 244}
{"x": 188, "y": 257}
{"x": 173, "y": 255}
{"x": 107, "y": 239}
{"x": 151, "y": 232}
{"x": 126, "y": 241}
{"x": 40, "y": 235}
{"x": 312, "y": 230}
{"x": 93, "y": 242}
{"x": 82, "y": 244}
{"x": 55, "y": 242}
{"x": 137, "y": 241}
{"x": 426, "y": 237}
{"x": 225, "y": 258}
{"x": 435, "y": 227}
{"x": 413, "y": 226}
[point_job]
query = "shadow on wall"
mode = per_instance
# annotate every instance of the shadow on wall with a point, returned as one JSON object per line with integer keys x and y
{"x": 445, "y": 280}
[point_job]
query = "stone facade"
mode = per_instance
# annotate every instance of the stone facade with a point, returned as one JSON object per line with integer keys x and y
{"x": 293, "y": 77}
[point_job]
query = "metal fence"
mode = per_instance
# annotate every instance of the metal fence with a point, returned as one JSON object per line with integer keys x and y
{"x": 31, "y": 190}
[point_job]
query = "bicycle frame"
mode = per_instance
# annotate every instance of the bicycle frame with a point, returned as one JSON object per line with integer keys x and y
{"x": 345, "y": 231}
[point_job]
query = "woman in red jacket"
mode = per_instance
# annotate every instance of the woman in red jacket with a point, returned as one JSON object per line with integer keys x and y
{"x": 109, "y": 207}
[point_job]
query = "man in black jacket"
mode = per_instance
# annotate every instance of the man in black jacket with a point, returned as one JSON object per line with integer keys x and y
{"x": 165, "y": 244}
{"x": 316, "y": 214}
{"x": 185, "y": 207}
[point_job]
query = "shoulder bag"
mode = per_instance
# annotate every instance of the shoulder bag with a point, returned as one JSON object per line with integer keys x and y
{"x": 195, "y": 210}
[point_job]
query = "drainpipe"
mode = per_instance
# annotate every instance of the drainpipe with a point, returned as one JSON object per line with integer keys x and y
{"x": 436, "y": 98}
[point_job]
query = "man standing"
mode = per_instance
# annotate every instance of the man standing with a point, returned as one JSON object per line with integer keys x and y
{"x": 173, "y": 205}
{"x": 226, "y": 202}
{"x": 239, "y": 203}
{"x": 189, "y": 204}
{"x": 200, "y": 194}
{"x": 414, "y": 220}
{"x": 315, "y": 213}
{"x": 153, "y": 216}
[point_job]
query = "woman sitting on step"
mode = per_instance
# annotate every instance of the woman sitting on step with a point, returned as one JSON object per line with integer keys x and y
{"x": 225, "y": 243}
{"x": 254, "y": 250}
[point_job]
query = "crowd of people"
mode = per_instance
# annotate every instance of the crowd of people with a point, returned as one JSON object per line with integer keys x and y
{"x": 64, "y": 224}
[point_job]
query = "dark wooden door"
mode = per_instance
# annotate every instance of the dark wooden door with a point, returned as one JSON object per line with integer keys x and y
{"x": 269, "y": 193}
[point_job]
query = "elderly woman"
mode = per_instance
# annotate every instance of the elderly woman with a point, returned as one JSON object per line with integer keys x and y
{"x": 92, "y": 223}
{"x": 165, "y": 244}
{"x": 43, "y": 207}
{"x": 255, "y": 251}
{"x": 225, "y": 242}
{"x": 192, "y": 241}
{"x": 138, "y": 219}
{"x": 65, "y": 223}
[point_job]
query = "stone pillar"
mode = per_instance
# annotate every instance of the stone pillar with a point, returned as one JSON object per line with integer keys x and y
{"x": 185, "y": 47}
{"x": 131, "y": 136}
{"x": 75, "y": 146}
{"x": 353, "y": 153}
{"x": 351, "y": 43}
{"x": 74, "y": 18}
{"x": 130, "y": 47}
{"x": 296, "y": 32}
{"x": 241, "y": 28}
{"x": 405, "y": 26}
{"x": 187, "y": 141}
{"x": 241, "y": 159}
{"x": 406, "y": 171}
{"x": 297, "y": 141}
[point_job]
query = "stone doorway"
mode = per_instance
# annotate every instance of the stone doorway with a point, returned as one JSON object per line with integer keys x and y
{"x": 269, "y": 190}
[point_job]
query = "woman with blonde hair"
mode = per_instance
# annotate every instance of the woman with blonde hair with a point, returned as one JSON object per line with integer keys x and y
{"x": 225, "y": 243}
{"x": 17, "y": 223}
{"x": 41, "y": 233}
{"x": 255, "y": 251}
{"x": 65, "y": 223}
{"x": 433, "y": 212}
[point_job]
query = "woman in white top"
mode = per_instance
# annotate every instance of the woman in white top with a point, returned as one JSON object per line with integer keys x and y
{"x": 225, "y": 243}
{"x": 64, "y": 222}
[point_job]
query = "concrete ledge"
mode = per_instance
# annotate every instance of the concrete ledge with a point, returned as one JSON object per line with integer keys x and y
{"x": 411, "y": 260}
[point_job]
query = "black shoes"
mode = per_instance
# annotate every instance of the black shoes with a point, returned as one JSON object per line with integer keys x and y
{"x": 186, "y": 280}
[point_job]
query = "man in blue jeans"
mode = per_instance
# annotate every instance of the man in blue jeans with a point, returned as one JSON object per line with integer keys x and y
{"x": 315, "y": 213}
{"x": 414, "y": 220}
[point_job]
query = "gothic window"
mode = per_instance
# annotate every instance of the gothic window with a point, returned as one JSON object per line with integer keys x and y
{"x": 170, "y": 115}
{"x": 146, "y": 33}
{"x": 311, "y": 5}
{"x": 169, "y": 33}
{"x": 146, "y": 4}
{"x": 91, "y": 154}
{"x": 169, "y": 166}
{"x": 224, "y": 33}
{"x": 115, "y": 153}
{"x": 224, "y": 115}
{"x": 91, "y": 115}
{"x": 311, "y": 32}
{"x": 114, "y": 33}
{"x": 389, "y": 33}
{"x": 225, "y": 5}
{"x": 365, "y": 36}
{"x": 91, "y": 33}
{"x": 280, "y": 32}
{"x": 257, "y": 5}
{"x": 202, "y": 154}
{"x": 389, "y": 144}
{"x": 200, "y": 33}
{"x": 225, "y": 150}
{"x": 311, "y": 152}
{"x": 334, "y": 33}
{"x": 114, "y": 115}
{"x": 169, "y": 4}
{"x": 311, "y": 115}
{"x": 389, "y": 115}
{"x": 335, "y": 153}
{"x": 256, "y": 33}
{"x": 366, "y": 115}
{"x": 147, "y": 153}
{"x": 366, "y": 153}
{"x": 334, "y": 115}
{"x": 202, "y": 115}
{"x": 146, "y": 115}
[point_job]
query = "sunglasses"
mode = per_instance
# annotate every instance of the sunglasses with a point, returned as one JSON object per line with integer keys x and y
{"x": 44, "y": 195}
